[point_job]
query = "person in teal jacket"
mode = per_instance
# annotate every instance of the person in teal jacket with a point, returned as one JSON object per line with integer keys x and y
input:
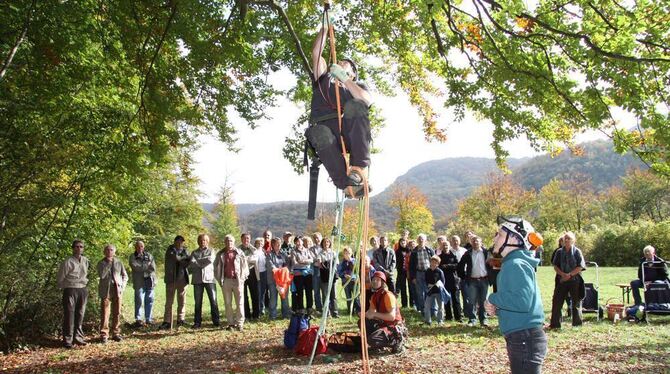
{"x": 518, "y": 302}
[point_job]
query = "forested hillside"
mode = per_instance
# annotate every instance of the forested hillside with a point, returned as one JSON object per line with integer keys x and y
{"x": 446, "y": 181}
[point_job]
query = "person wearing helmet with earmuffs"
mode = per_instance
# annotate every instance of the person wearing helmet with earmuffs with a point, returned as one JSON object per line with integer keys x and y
{"x": 518, "y": 302}
{"x": 323, "y": 134}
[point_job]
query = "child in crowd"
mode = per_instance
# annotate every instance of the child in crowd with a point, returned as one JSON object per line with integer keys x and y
{"x": 435, "y": 283}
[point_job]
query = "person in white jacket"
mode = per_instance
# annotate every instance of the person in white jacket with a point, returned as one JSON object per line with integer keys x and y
{"x": 202, "y": 269}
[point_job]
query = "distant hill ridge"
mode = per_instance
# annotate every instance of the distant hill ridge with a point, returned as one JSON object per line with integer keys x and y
{"x": 446, "y": 181}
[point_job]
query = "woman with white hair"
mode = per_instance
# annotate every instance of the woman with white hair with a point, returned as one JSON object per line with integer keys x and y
{"x": 655, "y": 269}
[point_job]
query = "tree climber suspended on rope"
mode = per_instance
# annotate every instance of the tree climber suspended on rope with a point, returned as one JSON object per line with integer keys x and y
{"x": 329, "y": 138}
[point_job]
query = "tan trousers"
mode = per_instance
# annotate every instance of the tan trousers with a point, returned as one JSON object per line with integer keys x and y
{"x": 111, "y": 304}
{"x": 233, "y": 288}
{"x": 172, "y": 289}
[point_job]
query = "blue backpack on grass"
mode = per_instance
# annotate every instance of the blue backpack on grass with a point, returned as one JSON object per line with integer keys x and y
{"x": 299, "y": 322}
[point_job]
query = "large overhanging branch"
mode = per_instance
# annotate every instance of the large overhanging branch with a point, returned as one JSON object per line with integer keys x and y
{"x": 287, "y": 22}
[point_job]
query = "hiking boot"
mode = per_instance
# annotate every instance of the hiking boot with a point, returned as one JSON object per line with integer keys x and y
{"x": 81, "y": 342}
{"x": 165, "y": 326}
{"x": 67, "y": 345}
{"x": 117, "y": 338}
{"x": 356, "y": 192}
{"x": 181, "y": 322}
{"x": 138, "y": 324}
{"x": 196, "y": 326}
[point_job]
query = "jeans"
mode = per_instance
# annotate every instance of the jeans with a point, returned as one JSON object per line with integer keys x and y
{"x": 526, "y": 350}
{"x": 433, "y": 301}
{"x": 272, "y": 290}
{"x": 316, "y": 287}
{"x": 198, "y": 290}
{"x": 477, "y": 290}
{"x": 420, "y": 288}
{"x": 146, "y": 295}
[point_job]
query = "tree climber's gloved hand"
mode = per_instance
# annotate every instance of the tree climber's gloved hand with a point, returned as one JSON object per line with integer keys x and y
{"x": 339, "y": 73}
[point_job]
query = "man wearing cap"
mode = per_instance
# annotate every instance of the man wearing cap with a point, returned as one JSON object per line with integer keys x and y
{"x": 286, "y": 246}
{"x": 324, "y": 133}
{"x": 383, "y": 323}
{"x": 177, "y": 261}
{"x": 518, "y": 302}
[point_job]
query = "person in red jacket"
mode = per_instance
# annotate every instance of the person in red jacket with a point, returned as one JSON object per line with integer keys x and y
{"x": 383, "y": 322}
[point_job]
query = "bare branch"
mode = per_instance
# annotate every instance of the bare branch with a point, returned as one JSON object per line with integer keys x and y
{"x": 19, "y": 40}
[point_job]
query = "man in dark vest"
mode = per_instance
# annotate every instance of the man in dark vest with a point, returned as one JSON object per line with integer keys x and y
{"x": 323, "y": 133}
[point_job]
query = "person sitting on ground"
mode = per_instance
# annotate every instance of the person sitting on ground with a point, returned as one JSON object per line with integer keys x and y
{"x": 113, "y": 279}
{"x": 655, "y": 270}
{"x": 345, "y": 270}
{"x": 324, "y": 132}
{"x": 434, "y": 296}
{"x": 384, "y": 324}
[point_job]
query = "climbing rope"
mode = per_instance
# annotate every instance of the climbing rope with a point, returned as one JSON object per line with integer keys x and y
{"x": 364, "y": 209}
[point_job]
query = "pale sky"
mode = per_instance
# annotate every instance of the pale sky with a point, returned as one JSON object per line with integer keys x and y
{"x": 259, "y": 174}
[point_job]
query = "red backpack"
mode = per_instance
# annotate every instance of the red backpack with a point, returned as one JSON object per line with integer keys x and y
{"x": 306, "y": 342}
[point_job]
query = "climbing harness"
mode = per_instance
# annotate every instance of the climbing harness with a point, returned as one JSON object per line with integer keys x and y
{"x": 336, "y": 234}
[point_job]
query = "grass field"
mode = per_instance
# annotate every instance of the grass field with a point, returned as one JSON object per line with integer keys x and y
{"x": 596, "y": 347}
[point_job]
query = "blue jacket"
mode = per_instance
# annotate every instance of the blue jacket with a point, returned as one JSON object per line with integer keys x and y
{"x": 518, "y": 300}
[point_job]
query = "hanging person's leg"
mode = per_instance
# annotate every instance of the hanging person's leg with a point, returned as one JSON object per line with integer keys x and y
{"x": 357, "y": 136}
{"x": 325, "y": 140}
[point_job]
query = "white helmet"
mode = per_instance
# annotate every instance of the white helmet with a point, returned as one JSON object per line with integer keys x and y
{"x": 522, "y": 229}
